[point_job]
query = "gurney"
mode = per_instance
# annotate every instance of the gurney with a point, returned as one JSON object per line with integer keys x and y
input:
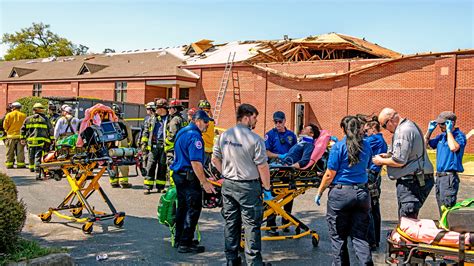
{"x": 83, "y": 171}
{"x": 422, "y": 241}
{"x": 287, "y": 184}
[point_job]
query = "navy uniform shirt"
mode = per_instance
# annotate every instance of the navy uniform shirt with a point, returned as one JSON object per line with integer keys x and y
{"x": 188, "y": 147}
{"x": 279, "y": 142}
{"x": 378, "y": 146}
{"x": 446, "y": 160}
{"x": 339, "y": 161}
{"x": 301, "y": 152}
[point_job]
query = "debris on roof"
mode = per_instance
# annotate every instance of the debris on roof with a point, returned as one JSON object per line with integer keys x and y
{"x": 198, "y": 47}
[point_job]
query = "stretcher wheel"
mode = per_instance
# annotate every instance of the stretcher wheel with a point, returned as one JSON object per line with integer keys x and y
{"x": 315, "y": 240}
{"x": 87, "y": 228}
{"x": 77, "y": 214}
{"x": 45, "y": 217}
{"x": 119, "y": 221}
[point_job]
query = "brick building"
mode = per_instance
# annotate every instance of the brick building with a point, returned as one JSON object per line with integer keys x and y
{"x": 419, "y": 87}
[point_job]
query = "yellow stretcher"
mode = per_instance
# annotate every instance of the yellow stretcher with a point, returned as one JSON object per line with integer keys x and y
{"x": 84, "y": 182}
{"x": 411, "y": 252}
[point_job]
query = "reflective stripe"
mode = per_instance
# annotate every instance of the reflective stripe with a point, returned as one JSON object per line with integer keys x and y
{"x": 36, "y": 126}
{"x": 144, "y": 139}
{"x": 20, "y": 164}
{"x": 123, "y": 179}
{"x": 9, "y": 164}
{"x": 113, "y": 180}
{"x": 35, "y": 139}
{"x": 160, "y": 182}
{"x": 148, "y": 182}
{"x": 31, "y": 166}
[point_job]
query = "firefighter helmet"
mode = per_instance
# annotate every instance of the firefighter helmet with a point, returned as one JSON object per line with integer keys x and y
{"x": 161, "y": 103}
{"x": 204, "y": 104}
{"x": 116, "y": 108}
{"x": 151, "y": 105}
{"x": 38, "y": 106}
{"x": 192, "y": 111}
{"x": 175, "y": 104}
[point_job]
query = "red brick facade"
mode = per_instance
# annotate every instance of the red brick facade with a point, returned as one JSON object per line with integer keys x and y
{"x": 417, "y": 88}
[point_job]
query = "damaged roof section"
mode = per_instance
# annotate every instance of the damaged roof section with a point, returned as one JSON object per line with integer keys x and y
{"x": 198, "y": 47}
{"x": 319, "y": 47}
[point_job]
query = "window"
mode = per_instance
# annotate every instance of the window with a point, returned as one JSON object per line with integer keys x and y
{"x": 184, "y": 96}
{"x": 120, "y": 91}
{"x": 37, "y": 89}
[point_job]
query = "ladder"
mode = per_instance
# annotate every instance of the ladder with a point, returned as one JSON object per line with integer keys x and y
{"x": 236, "y": 86}
{"x": 223, "y": 87}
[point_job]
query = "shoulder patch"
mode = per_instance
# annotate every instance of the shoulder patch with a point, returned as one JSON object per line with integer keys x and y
{"x": 266, "y": 137}
{"x": 198, "y": 144}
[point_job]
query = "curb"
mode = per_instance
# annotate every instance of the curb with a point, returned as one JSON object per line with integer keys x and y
{"x": 50, "y": 260}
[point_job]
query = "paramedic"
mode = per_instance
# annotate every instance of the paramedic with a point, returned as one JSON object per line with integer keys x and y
{"x": 348, "y": 203}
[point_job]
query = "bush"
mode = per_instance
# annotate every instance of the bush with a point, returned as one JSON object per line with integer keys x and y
{"x": 28, "y": 102}
{"x": 12, "y": 214}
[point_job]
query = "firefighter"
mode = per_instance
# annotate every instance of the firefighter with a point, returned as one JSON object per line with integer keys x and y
{"x": 37, "y": 132}
{"x": 153, "y": 139}
{"x": 53, "y": 114}
{"x": 175, "y": 122}
{"x": 121, "y": 177}
{"x": 12, "y": 125}
{"x": 150, "y": 111}
{"x": 207, "y": 135}
{"x": 3, "y": 135}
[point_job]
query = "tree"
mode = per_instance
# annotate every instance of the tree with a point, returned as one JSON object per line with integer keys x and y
{"x": 80, "y": 49}
{"x": 38, "y": 41}
{"x": 108, "y": 50}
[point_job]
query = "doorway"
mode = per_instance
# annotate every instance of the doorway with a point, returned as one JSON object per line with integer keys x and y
{"x": 299, "y": 116}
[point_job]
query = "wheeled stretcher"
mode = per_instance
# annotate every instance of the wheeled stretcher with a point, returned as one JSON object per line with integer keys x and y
{"x": 421, "y": 241}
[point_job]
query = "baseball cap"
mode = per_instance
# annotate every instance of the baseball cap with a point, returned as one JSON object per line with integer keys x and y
{"x": 201, "y": 115}
{"x": 446, "y": 115}
{"x": 279, "y": 115}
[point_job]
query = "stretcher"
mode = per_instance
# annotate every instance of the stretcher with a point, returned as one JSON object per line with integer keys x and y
{"x": 84, "y": 169}
{"x": 421, "y": 241}
{"x": 287, "y": 184}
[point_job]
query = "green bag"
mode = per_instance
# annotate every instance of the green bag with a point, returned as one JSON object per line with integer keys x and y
{"x": 460, "y": 217}
{"x": 166, "y": 210}
{"x": 69, "y": 140}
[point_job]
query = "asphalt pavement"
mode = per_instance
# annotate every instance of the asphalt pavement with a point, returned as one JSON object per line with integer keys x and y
{"x": 144, "y": 241}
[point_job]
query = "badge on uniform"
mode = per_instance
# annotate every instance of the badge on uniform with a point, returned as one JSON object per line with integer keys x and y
{"x": 198, "y": 144}
{"x": 266, "y": 137}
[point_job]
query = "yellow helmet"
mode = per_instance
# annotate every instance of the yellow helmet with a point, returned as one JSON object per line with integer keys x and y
{"x": 38, "y": 106}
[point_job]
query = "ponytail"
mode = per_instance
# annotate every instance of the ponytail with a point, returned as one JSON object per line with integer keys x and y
{"x": 352, "y": 129}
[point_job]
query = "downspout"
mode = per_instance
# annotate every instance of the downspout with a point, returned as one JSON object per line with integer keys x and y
{"x": 265, "y": 109}
{"x": 455, "y": 79}
{"x": 348, "y": 86}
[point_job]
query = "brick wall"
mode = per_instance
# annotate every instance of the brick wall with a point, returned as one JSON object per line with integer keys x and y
{"x": 101, "y": 90}
{"x": 417, "y": 88}
{"x": 152, "y": 92}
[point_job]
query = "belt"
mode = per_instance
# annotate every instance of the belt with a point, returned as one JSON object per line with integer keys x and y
{"x": 413, "y": 177}
{"x": 438, "y": 174}
{"x": 244, "y": 181}
{"x": 354, "y": 186}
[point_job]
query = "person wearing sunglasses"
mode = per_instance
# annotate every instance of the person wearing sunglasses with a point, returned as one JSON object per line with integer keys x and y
{"x": 407, "y": 162}
{"x": 278, "y": 142}
{"x": 449, "y": 147}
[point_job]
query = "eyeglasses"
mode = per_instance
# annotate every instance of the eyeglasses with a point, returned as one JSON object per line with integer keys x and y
{"x": 385, "y": 124}
{"x": 278, "y": 121}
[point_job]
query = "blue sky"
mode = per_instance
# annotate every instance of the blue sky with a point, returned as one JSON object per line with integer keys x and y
{"x": 404, "y": 26}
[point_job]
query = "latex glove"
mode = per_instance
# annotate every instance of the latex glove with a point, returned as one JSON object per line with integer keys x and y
{"x": 432, "y": 125}
{"x": 281, "y": 156}
{"x": 317, "y": 200}
{"x": 334, "y": 138}
{"x": 275, "y": 164}
{"x": 267, "y": 195}
{"x": 449, "y": 126}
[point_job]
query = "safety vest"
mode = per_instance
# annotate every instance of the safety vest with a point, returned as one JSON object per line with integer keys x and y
{"x": 53, "y": 119}
{"x": 148, "y": 128}
{"x": 176, "y": 123}
{"x": 37, "y": 130}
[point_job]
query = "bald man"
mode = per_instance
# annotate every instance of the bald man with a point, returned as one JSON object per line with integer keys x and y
{"x": 407, "y": 162}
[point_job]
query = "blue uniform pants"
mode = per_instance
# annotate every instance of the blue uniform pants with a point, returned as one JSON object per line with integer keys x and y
{"x": 348, "y": 216}
{"x": 188, "y": 209}
{"x": 243, "y": 205}
{"x": 447, "y": 186}
{"x": 411, "y": 195}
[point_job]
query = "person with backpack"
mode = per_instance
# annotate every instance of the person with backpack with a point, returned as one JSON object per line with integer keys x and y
{"x": 66, "y": 125}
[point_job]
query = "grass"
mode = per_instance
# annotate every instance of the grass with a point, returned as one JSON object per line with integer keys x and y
{"x": 26, "y": 250}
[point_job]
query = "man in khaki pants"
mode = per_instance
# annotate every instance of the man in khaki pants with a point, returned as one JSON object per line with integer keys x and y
{"x": 12, "y": 125}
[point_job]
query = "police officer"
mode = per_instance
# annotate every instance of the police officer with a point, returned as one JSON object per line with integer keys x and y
{"x": 188, "y": 176}
{"x": 407, "y": 162}
{"x": 378, "y": 146}
{"x": 122, "y": 172}
{"x": 153, "y": 139}
{"x": 37, "y": 132}
{"x": 348, "y": 203}
{"x": 12, "y": 124}
{"x": 174, "y": 124}
{"x": 53, "y": 115}
{"x": 449, "y": 147}
{"x": 278, "y": 141}
{"x": 242, "y": 187}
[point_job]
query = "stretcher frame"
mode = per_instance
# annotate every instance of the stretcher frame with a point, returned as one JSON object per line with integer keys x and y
{"x": 287, "y": 184}
{"x": 83, "y": 185}
{"x": 410, "y": 252}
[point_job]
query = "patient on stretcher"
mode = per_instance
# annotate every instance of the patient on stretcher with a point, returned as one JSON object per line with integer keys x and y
{"x": 300, "y": 154}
